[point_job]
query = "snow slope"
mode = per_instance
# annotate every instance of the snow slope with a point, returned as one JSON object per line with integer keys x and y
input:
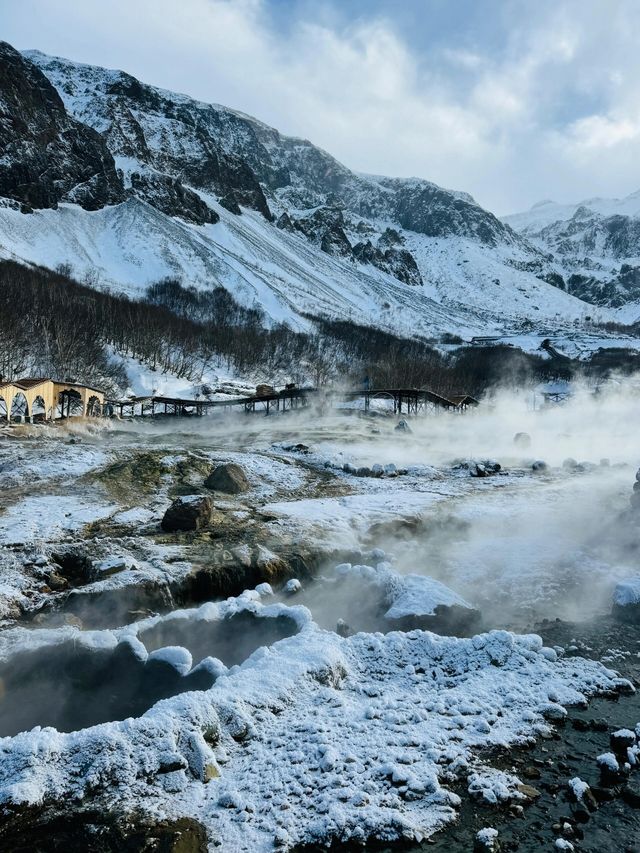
{"x": 468, "y": 288}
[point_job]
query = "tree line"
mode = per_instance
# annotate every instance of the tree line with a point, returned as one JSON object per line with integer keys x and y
{"x": 52, "y": 325}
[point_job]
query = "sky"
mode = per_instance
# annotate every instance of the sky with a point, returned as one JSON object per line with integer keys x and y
{"x": 514, "y": 101}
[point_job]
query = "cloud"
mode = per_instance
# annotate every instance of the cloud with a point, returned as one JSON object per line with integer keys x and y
{"x": 553, "y": 111}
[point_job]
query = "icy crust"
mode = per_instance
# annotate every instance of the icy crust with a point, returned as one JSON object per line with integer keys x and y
{"x": 19, "y": 639}
{"x": 318, "y": 738}
{"x": 407, "y": 595}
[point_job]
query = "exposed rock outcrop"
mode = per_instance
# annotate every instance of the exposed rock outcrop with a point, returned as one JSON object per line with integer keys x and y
{"x": 48, "y": 156}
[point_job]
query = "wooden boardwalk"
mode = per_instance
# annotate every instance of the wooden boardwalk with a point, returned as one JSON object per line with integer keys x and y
{"x": 410, "y": 401}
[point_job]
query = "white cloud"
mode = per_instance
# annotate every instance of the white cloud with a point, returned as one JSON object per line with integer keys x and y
{"x": 555, "y": 112}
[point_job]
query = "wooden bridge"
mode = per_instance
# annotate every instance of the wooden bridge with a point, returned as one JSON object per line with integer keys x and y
{"x": 410, "y": 401}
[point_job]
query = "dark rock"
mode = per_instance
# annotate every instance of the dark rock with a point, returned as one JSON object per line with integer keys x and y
{"x": 335, "y": 242}
{"x": 539, "y": 466}
{"x": 73, "y": 565}
{"x": 284, "y": 223}
{"x": 603, "y": 795}
{"x": 485, "y": 469}
{"x": 168, "y": 195}
{"x": 228, "y": 478}
{"x": 428, "y": 209}
{"x": 390, "y": 239}
{"x": 530, "y": 773}
{"x": 447, "y": 620}
{"x": 580, "y": 725}
{"x": 47, "y": 156}
{"x": 61, "y": 827}
{"x": 188, "y": 513}
{"x": 631, "y": 795}
{"x": 230, "y": 202}
{"x": 398, "y": 263}
{"x": 57, "y": 582}
{"x": 402, "y": 426}
{"x": 363, "y": 471}
{"x": 522, "y": 439}
{"x": 599, "y": 725}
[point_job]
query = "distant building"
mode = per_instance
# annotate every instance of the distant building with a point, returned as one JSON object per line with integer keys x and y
{"x": 47, "y": 399}
{"x": 554, "y": 392}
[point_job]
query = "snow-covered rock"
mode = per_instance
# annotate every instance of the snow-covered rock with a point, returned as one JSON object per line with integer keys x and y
{"x": 626, "y": 599}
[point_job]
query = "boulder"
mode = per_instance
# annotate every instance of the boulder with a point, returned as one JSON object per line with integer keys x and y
{"x": 539, "y": 466}
{"x": 191, "y": 512}
{"x": 522, "y": 439}
{"x": 626, "y": 598}
{"x": 228, "y": 478}
{"x": 402, "y": 426}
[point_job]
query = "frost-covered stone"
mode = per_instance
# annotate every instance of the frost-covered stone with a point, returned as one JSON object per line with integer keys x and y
{"x": 626, "y": 598}
{"x": 578, "y": 788}
{"x": 486, "y": 841}
{"x": 621, "y": 740}
{"x": 608, "y": 763}
{"x": 113, "y": 565}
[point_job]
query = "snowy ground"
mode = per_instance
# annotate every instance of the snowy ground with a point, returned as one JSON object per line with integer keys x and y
{"x": 320, "y": 737}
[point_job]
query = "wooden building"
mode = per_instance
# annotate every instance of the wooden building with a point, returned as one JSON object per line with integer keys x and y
{"x": 47, "y": 399}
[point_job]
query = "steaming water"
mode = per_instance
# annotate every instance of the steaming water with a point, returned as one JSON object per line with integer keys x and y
{"x": 520, "y": 546}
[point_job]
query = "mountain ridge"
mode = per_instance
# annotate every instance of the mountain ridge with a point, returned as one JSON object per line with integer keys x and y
{"x": 317, "y": 239}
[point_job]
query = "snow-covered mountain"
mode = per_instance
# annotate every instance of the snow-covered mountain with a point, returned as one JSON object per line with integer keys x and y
{"x": 595, "y": 243}
{"x": 142, "y": 183}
